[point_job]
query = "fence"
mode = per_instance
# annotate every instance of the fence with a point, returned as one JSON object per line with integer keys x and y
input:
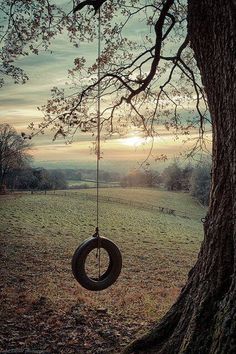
{"x": 140, "y": 205}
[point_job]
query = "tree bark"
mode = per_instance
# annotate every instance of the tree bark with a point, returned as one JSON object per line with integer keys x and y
{"x": 203, "y": 319}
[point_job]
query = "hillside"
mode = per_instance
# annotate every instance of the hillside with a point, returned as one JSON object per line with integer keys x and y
{"x": 39, "y": 234}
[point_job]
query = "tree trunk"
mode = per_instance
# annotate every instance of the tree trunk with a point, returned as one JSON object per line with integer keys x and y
{"x": 203, "y": 320}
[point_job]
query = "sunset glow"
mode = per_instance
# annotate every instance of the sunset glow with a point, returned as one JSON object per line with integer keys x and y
{"x": 135, "y": 141}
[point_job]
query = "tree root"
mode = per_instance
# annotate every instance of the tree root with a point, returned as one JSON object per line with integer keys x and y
{"x": 154, "y": 341}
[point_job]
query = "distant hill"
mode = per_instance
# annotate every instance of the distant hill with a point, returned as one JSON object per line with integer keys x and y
{"x": 120, "y": 166}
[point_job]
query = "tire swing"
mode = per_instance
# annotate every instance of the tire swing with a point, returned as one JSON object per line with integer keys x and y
{"x": 112, "y": 272}
{"x": 96, "y": 242}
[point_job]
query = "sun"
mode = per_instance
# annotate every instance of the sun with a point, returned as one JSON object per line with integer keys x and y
{"x": 133, "y": 141}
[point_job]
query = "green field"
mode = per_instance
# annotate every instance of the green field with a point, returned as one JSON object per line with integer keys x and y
{"x": 90, "y": 184}
{"x": 39, "y": 234}
{"x": 73, "y": 182}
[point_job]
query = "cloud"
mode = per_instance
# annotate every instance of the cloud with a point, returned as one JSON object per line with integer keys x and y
{"x": 112, "y": 150}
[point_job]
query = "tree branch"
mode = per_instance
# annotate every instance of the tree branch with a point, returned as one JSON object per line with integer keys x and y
{"x": 158, "y": 30}
{"x": 95, "y": 3}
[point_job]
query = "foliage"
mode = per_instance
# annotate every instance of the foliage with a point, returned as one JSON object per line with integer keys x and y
{"x": 172, "y": 177}
{"x": 57, "y": 179}
{"x": 27, "y": 27}
{"x": 201, "y": 182}
{"x": 15, "y": 170}
{"x": 186, "y": 177}
{"x": 136, "y": 178}
{"x": 21, "y": 179}
{"x": 36, "y": 179}
{"x": 194, "y": 179}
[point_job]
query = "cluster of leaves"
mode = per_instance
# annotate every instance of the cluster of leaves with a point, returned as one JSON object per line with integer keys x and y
{"x": 28, "y": 27}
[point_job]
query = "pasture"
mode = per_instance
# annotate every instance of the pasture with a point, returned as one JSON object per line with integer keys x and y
{"x": 90, "y": 183}
{"x": 44, "y": 308}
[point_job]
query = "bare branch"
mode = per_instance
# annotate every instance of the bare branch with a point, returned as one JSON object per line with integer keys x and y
{"x": 157, "y": 51}
{"x": 95, "y": 3}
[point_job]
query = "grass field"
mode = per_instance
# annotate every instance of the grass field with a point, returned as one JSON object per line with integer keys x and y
{"x": 73, "y": 182}
{"x": 39, "y": 234}
{"x": 90, "y": 184}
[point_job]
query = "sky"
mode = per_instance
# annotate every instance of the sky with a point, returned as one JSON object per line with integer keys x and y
{"x": 19, "y": 108}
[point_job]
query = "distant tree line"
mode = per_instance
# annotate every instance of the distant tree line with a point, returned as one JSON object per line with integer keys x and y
{"x": 81, "y": 174}
{"x": 193, "y": 179}
{"x": 15, "y": 165}
{"x": 33, "y": 179}
{"x": 16, "y": 172}
{"x": 70, "y": 173}
{"x": 139, "y": 178}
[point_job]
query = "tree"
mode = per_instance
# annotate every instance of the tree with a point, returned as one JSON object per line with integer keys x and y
{"x": 45, "y": 182}
{"x": 200, "y": 183}
{"x": 105, "y": 176}
{"x": 203, "y": 318}
{"x": 186, "y": 177}
{"x": 172, "y": 177}
{"x": 13, "y": 152}
{"x": 153, "y": 178}
{"x": 135, "y": 178}
{"x": 33, "y": 182}
{"x": 57, "y": 178}
{"x": 19, "y": 178}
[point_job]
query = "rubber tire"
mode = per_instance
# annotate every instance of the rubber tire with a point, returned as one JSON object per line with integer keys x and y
{"x": 112, "y": 272}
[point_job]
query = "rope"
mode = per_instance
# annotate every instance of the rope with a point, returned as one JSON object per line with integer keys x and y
{"x": 98, "y": 114}
{"x": 98, "y": 139}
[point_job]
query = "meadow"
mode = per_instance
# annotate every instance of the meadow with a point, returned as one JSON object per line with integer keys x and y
{"x": 44, "y": 308}
{"x": 89, "y": 183}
